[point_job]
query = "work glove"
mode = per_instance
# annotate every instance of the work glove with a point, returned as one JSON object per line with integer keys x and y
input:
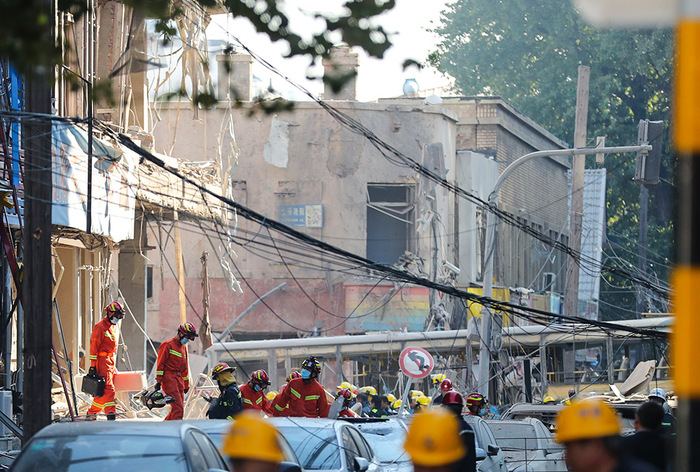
{"x": 92, "y": 372}
{"x": 157, "y": 387}
{"x": 187, "y": 390}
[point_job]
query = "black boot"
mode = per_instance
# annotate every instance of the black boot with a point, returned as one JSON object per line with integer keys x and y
{"x": 111, "y": 416}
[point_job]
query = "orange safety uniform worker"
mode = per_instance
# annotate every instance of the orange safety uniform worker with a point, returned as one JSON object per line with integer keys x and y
{"x": 253, "y": 392}
{"x": 347, "y": 400}
{"x": 172, "y": 372}
{"x": 304, "y": 396}
{"x": 103, "y": 349}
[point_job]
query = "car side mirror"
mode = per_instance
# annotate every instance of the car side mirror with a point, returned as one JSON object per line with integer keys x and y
{"x": 480, "y": 454}
{"x": 493, "y": 450}
{"x": 361, "y": 464}
{"x": 553, "y": 448}
{"x": 289, "y": 467}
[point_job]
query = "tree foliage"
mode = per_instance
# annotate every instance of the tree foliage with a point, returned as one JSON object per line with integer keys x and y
{"x": 528, "y": 53}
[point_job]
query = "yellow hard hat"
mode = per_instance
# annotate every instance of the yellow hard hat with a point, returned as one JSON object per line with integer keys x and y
{"x": 417, "y": 393}
{"x": 347, "y": 385}
{"x": 549, "y": 399}
{"x": 391, "y": 398}
{"x": 433, "y": 439}
{"x": 369, "y": 390}
{"x": 586, "y": 419}
{"x": 271, "y": 395}
{"x": 397, "y": 404}
{"x": 438, "y": 378}
{"x": 423, "y": 400}
{"x": 253, "y": 438}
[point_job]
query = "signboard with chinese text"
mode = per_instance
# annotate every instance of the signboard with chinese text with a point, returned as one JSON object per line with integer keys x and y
{"x": 301, "y": 216}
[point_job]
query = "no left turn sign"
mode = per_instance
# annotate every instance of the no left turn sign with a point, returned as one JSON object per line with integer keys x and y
{"x": 416, "y": 362}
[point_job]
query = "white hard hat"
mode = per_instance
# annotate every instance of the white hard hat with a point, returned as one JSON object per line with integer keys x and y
{"x": 658, "y": 392}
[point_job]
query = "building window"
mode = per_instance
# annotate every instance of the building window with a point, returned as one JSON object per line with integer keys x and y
{"x": 149, "y": 282}
{"x": 390, "y": 220}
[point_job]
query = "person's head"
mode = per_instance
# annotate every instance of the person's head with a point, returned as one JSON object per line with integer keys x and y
{"x": 445, "y": 386}
{"x": 114, "y": 312}
{"x": 310, "y": 369}
{"x": 369, "y": 391}
{"x": 362, "y": 398}
{"x": 376, "y": 401}
{"x": 186, "y": 332}
{"x": 433, "y": 442}
{"x": 658, "y": 395}
{"x": 385, "y": 403}
{"x": 422, "y": 403}
{"x": 259, "y": 380}
{"x": 476, "y": 404}
{"x": 252, "y": 445}
{"x": 294, "y": 375}
{"x": 223, "y": 374}
{"x": 454, "y": 402}
{"x": 347, "y": 396}
{"x": 590, "y": 433}
{"x": 572, "y": 392}
{"x": 649, "y": 415}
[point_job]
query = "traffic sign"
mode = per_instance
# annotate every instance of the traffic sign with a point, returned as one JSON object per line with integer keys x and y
{"x": 416, "y": 362}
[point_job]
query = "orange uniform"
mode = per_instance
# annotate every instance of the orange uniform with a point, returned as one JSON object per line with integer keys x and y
{"x": 253, "y": 400}
{"x": 103, "y": 347}
{"x": 173, "y": 374}
{"x": 302, "y": 399}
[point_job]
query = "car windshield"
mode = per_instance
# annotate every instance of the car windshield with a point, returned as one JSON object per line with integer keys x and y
{"x": 515, "y": 440}
{"x": 387, "y": 441}
{"x": 98, "y": 453}
{"x": 316, "y": 448}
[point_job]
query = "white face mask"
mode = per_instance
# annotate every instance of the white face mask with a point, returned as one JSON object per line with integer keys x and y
{"x": 114, "y": 320}
{"x": 184, "y": 341}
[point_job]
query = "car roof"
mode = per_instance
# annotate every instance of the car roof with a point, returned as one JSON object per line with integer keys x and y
{"x": 134, "y": 428}
{"x": 304, "y": 422}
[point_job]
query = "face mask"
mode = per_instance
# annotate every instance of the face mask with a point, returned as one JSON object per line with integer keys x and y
{"x": 257, "y": 388}
{"x": 184, "y": 341}
{"x": 482, "y": 412}
{"x": 305, "y": 374}
{"x": 114, "y": 320}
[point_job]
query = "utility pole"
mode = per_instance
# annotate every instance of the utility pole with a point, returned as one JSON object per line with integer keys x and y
{"x": 577, "y": 180}
{"x": 642, "y": 256}
{"x": 36, "y": 141}
{"x": 205, "y": 327}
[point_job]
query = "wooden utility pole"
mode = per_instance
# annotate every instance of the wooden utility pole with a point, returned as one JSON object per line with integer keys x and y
{"x": 36, "y": 141}
{"x": 205, "y": 327}
{"x": 180, "y": 265}
{"x": 577, "y": 180}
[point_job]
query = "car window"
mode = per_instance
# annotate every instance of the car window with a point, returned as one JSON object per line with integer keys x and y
{"x": 349, "y": 448}
{"x": 98, "y": 452}
{"x": 515, "y": 439}
{"x": 316, "y": 448}
{"x": 198, "y": 463}
{"x": 365, "y": 449}
{"x": 386, "y": 440}
{"x": 211, "y": 455}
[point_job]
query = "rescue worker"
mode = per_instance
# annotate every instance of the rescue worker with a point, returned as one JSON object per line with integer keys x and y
{"x": 230, "y": 401}
{"x": 359, "y": 407}
{"x": 377, "y": 411}
{"x": 172, "y": 371}
{"x": 648, "y": 442}
{"x": 433, "y": 442}
{"x": 445, "y": 386}
{"x": 304, "y": 396}
{"x": 422, "y": 403}
{"x": 453, "y": 401}
{"x": 252, "y": 445}
{"x": 253, "y": 393}
{"x": 668, "y": 423}
{"x": 590, "y": 432}
{"x": 103, "y": 349}
{"x": 348, "y": 397}
{"x": 476, "y": 404}
{"x": 549, "y": 400}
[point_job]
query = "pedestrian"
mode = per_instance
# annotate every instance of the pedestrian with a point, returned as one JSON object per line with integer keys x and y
{"x": 476, "y": 404}
{"x": 252, "y": 445}
{"x": 103, "y": 349}
{"x": 648, "y": 443}
{"x": 172, "y": 371}
{"x": 230, "y": 401}
{"x": 668, "y": 422}
{"x": 445, "y": 386}
{"x": 377, "y": 410}
{"x": 253, "y": 393}
{"x": 359, "y": 406}
{"x": 433, "y": 442}
{"x": 304, "y": 396}
{"x": 590, "y": 432}
{"x": 453, "y": 402}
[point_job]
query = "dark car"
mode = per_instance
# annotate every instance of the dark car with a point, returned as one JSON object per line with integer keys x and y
{"x": 133, "y": 446}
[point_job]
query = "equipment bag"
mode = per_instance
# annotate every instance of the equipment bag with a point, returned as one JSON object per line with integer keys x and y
{"x": 94, "y": 386}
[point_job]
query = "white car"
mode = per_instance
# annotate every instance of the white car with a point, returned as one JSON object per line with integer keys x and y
{"x": 528, "y": 445}
{"x": 489, "y": 457}
{"x": 387, "y": 437}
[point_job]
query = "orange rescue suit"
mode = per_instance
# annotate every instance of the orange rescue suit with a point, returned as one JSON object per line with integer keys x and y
{"x": 103, "y": 347}
{"x": 173, "y": 374}
{"x": 253, "y": 400}
{"x": 302, "y": 399}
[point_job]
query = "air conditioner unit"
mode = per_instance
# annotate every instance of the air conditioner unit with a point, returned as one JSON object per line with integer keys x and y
{"x": 548, "y": 279}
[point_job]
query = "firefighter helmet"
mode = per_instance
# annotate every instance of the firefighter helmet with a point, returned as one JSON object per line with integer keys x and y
{"x": 658, "y": 393}
{"x": 586, "y": 419}
{"x": 293, "y": 375}
{"x": 368, "y": 390}
{"x": 391, "y": 398}
{"x": 347, "y": 385}
{"x": 260, "y": 377}
{"x": 188, "y": 330}
{"x": 345, "y": 393}
{"x": 220, "y": 368}
{"x": 446, "y": 384}
{"x": 423, "y": 400}
{"x": 437, "y": 378}
{"x": 397, "y": 404}
{"x": 453, "y": 398}
{"x": 114, "y": 309}
{"x": 433, "y": 439}
{"x": 475, "y": 399}
{"x": 312, "y": 365}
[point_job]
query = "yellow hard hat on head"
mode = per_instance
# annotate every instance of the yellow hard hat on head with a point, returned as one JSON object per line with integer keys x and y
{"x": 438, "y": 378}
{"x": 347, "y": 385}
{"x": 397, "y": 404}
{"x": 391, "y": 398}
{"x": 433, "y": 439}
{"x": 271, "y": 395}
{"x": 369, "y": 390}
{"x": 253, "y": 438}
{"x": 416, "y": 393}
{"x": 425, "y": 401}
{"x": 587, "y": 419}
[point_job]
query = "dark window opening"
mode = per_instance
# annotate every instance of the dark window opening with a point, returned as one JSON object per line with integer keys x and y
{"x": 390, "y": 221}
{"x": 149, "y": 282}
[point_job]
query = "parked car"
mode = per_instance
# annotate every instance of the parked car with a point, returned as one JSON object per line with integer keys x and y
{"x": 489, "y": 457}
{"x": 547, "y": 413}
{"x": 218, "y": 429}
{"x": 328, "y": 445}
{"x": 528, "y": 445}
{"x": 132, "y": 446}
{"x": 387, "y": 437}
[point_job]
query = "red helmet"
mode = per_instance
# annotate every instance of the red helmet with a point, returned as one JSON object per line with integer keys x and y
{"x": 114, "y": 309}
{"x": 475, "y": 399}
{"x": 293, "y": 375}
{"x": 453, "y": 398}
{"x": 345, "y": 393}
{"x": 446, "y": 385}
{"x": 260, "y": 377}
{"x": 220, "y": 368}
{"x": 188, "y": 330}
